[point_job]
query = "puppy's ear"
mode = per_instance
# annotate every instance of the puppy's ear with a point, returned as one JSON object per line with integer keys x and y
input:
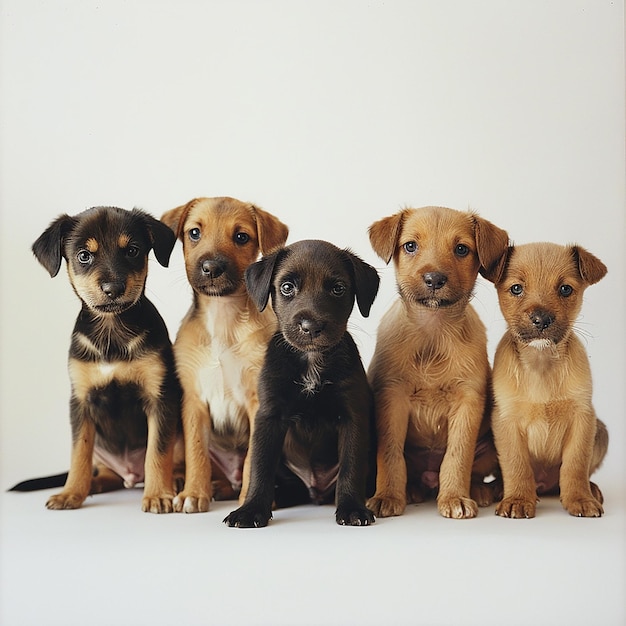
{"x": 175, "y": 218}
{"x": 590, "y": 267}
{"x": 258, "y": 277}
{"x": 272, "y": 233}
{"x": 48, "y": 249}
{"x": 162, "y": 236}
{"x": 366, "y": 281}
{"x": 492, "y": 246}
{"x": 385, "y": 233}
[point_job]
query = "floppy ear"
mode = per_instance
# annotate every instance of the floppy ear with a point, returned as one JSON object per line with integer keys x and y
{"x": 272, "y": 233}
{"x": 590, "y": 267}
{"x": 162, "y": 236}
{"x": 492, "y": 245}
{"x": 258, "y": 277}
{"x": 366, "y": 282}
{"x": 385, "y": 233}
{"x": 175, "y": 218}
{"x": 48, "y": 249}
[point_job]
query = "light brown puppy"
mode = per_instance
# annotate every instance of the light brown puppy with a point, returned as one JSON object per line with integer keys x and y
{"x": 221, "y": 343}
{"x": 430, "y": 372}
{"x": 546, "y": 431}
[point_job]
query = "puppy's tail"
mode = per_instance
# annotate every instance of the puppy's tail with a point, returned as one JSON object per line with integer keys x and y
{"x": 46, "y": 482}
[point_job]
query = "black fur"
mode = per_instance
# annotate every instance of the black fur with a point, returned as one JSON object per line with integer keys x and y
{"x": 315, "y": 417}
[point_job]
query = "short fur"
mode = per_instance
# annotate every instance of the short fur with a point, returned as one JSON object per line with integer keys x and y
{"x": 220, "y": 346}
{"x": 315, "y": 412}
{"x": 125, "y": 403}
{"x": 547, "y": 434}
{"x": 430, "y": 372}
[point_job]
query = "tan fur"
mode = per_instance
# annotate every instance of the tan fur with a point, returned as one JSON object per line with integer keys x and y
{"x": 543, "y": 416}
{"x": 222, "y": 340}
{"x": 430, "y": 372}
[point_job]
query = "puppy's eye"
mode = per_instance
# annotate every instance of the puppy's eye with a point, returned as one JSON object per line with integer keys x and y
{"x": 566, "y": 291}
{"x": 517, "y": 289}
{"x": 241, "y": 238}
{"x": 410, "y": 247}
{"x": 288, "y": 289}
{"x": 194, "y": 234}
{"x": 461, "y": 250}
{"x": 338, "y": 290}
{"x": 84, "y": 257}
{"x": 132, "y": 251}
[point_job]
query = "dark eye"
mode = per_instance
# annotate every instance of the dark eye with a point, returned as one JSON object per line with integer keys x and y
{"x": 132, "y": 251}
{"x": 566, "y": 291}
{"x": 84, "y": 257}
{"x": 194, "y": 234}
{"x": 517, "y": 289}
{"x": 241, "y": 238}
{"x": 338, "y": 290}
{"x": 461, "y": 250}
{"x": 288, "y": 289}
{"x": 410, "y": 247}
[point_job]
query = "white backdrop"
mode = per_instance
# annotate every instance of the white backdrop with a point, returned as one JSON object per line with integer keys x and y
{"x": 329, "y": 114}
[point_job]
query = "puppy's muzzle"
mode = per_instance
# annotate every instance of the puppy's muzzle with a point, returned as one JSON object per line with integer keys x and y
{"x": 310, "y": 328}
{"x": 434, "y": 280}
{"x": 541, "y": 319}
{"x": 113, "y": 289}
{"x": 212, "y": 268}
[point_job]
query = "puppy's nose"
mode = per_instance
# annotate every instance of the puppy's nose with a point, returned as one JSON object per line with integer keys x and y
{"x": 311, "y": 327}
{"x": 113, "y": 289}
{"x": 212, "y": 268}
{"x": 435, "y": 280}
{"x": 541, "y": 319}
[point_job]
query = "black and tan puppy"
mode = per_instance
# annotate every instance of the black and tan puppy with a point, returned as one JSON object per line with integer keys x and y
{"x": 548, "y": 437}
{"x": 125, "y": 402}
{"x": 315, "y": 405}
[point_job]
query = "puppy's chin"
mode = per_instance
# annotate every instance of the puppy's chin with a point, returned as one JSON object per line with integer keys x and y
{"x": 434, "y": 303}
{"x": 218, "y": 288}
{"x": 309, "y": 346}
{"x": 541, "y": 344}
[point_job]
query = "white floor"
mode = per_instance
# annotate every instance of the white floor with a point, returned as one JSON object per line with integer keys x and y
{"x": 108, "y": 563}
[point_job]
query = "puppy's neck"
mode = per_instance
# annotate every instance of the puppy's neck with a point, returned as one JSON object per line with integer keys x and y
{"x": 311, "y": 380}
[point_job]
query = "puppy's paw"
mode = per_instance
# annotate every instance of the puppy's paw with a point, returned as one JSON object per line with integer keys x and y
{"x": 157, "y": 504}
{"x": 457, "y": 507}
{"x": 63, "y": 500}
{"x": 354, "y": 516}
{"x": 517, "y": 508}
{"x": 386, "y": 506}
{"x": 583, "y": 507}
{"x": 185, "y": 502}
{"x": 483, "y": 494}
{"x": 248, "y": 517}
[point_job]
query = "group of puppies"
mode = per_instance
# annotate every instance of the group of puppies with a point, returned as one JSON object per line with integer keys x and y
{"x": 263, "y": 395}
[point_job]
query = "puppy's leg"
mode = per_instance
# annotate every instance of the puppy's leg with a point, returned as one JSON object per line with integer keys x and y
{"x": 392, "y": 421}
{"x": 578, "y": 452}
{"x": 78, "y": 482}
{"x": 600, "y": 447}
{"x": 252, "y": 408}
{"x": 196, "y": 494}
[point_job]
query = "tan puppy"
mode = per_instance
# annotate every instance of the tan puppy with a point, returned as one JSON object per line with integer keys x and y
{"x": 221, "y": 343}
{"x": 546, "y": 431}
{"x": 430, "y": 372}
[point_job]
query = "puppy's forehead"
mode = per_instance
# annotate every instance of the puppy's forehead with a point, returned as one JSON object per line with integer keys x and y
{"x": 316, "y": 260}
{"x": 217, "y": 211}
{"x": 437, "y": 223}
{"x": 542, "y": 263}
{"x": 104, "y": 228}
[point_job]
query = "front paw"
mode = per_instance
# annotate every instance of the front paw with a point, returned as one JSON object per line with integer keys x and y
{"x": 186, "y": 502}
{"x": 247, "y": 516}
{"x": 157, "y": 504}
{"x": 65, "y": 501}
{"x": 583, "y": 507}
{"x": 386, "y": 506}
{"x": 517, "y": 508}
{"x": 354, "y": 516}
{"x": 457, "y": 507}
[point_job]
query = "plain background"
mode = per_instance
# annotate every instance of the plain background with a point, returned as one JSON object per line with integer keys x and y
{"x": 331, "y": 115}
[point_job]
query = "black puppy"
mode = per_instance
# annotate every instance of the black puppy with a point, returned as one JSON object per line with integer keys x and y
{"x": 125, "y": 403}
{"x": 316, "y": 407}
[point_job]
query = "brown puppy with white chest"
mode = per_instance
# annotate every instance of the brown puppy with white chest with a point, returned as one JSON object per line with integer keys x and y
{"x": 547, "y": 434}
{"x": 221, "y": 343}
{"x": 430, "y": 372}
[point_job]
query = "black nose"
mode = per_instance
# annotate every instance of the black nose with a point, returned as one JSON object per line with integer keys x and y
{"x": 311, "y": 327}
{"x": 541, "y": 319}
{"x": 113, "y": 289}
{"x": 212, "y": 268}
{"x": 435, "y": 280}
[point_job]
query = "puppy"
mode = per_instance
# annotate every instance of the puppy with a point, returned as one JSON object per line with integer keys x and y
{"x": 221, "y": 343}
{"x": 430, "y": 373}
{"x": 125, "y": 402}
{"x": 315, "y": 404}
{"x": 546, "y": 431}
